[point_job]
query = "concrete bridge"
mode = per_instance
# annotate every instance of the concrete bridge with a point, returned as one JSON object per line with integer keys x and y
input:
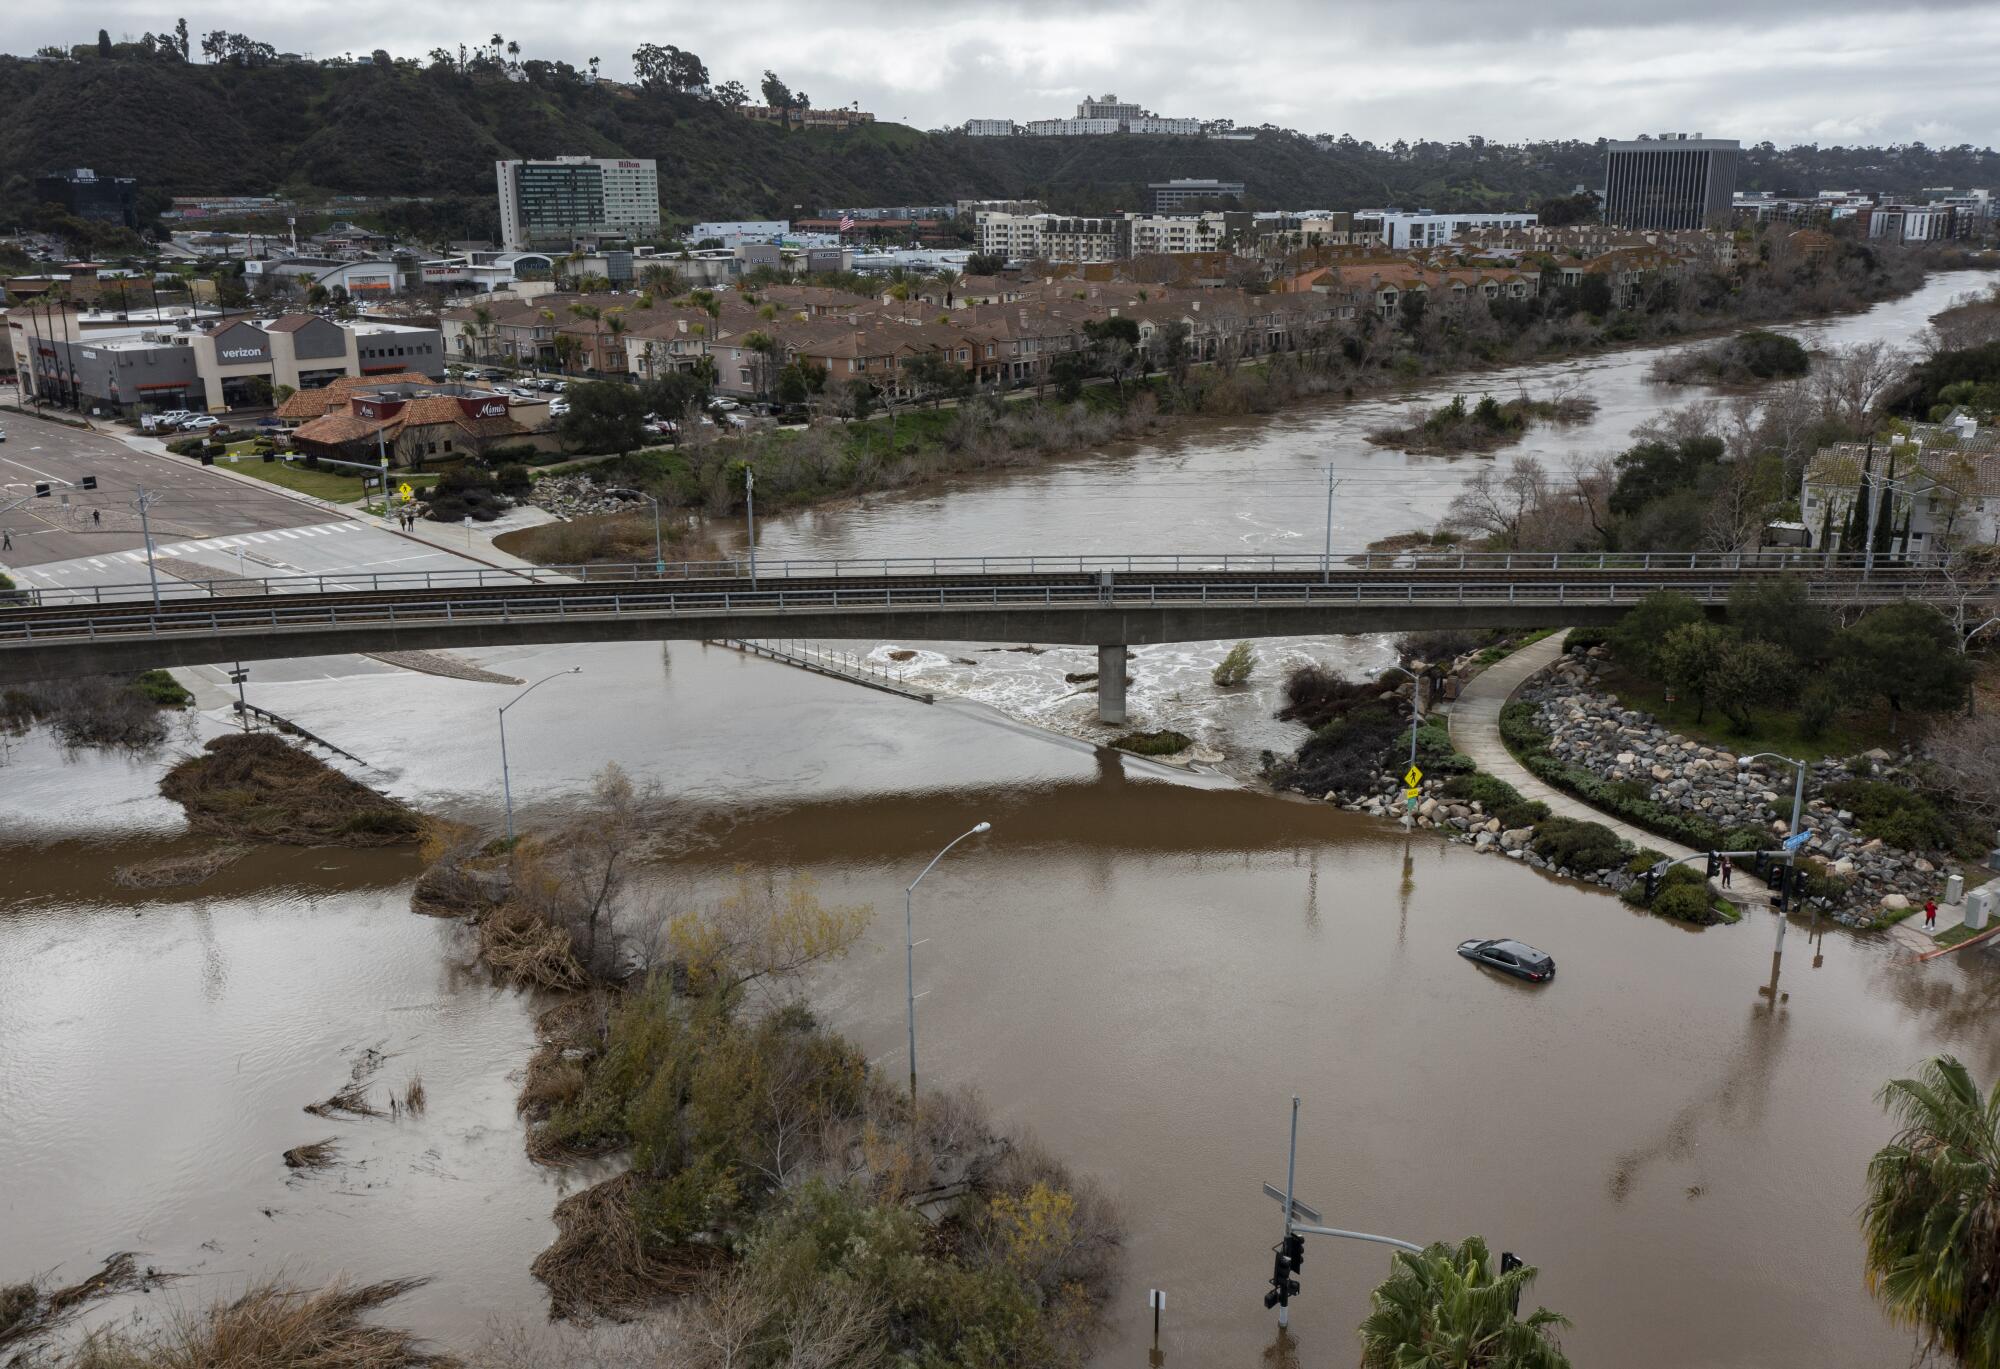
{"x": 1111, "y": 603}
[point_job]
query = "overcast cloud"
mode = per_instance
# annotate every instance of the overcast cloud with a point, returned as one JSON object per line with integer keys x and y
{"x": 1792, "y": 71}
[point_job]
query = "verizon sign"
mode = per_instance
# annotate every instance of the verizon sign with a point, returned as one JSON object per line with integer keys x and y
{"x": 241, "y": 353}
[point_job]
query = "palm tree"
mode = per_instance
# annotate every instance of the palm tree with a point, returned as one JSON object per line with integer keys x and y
{"x": 1932, "y": 1219}
{"x": 1447, "y": 1309}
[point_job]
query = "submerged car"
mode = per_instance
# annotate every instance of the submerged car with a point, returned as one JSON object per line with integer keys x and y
{"x": 1517, "y": 958}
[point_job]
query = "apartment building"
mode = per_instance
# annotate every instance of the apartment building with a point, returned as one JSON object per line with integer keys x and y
{"x": 551, "y": 203}
{"x": 1422, "y": 229}
{"x": 1947, "y": 491}
{"x": 1912, "y": 222}
{"x": 989, "y": 128}
{"x": 1672, "y": 181}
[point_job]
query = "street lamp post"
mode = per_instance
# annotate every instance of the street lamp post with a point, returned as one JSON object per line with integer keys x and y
{"x": 1798, "y": 805}
{"x": 506, "y": 782}
{"x": 659, "y": 554}
{"x": 910, "y": 950}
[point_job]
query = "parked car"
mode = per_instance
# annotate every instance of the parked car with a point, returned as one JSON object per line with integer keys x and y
{"x": 1517, "y": 958}
{"x": 199, "y": 423}
{"x": 721, "y": 403}
{"x": 558, "y": 407}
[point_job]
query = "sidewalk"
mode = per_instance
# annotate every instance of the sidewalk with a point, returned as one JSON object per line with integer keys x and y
{"x": 1475, "y": 730}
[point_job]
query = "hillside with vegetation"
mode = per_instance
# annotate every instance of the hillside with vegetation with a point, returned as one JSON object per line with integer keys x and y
{"x": 252, "y": 121}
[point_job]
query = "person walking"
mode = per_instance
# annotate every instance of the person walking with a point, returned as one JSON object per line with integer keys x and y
{"x": 6, "y": 539}
{"x": 1728, "y": 869}
{"x": 96, "y": 517}
{"x": 1930, "y": 914}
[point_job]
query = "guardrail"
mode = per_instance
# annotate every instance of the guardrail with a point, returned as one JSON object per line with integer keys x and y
{"x": 1297, "y": 563}
{"x": 237, "y": 616}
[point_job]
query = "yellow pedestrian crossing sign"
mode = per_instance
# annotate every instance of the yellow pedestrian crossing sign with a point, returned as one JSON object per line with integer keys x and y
{"x": 405, "y": 493}
{"x": 1413, "y": 777}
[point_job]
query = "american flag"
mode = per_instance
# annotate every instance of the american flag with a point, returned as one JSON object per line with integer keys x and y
{"x": 846, "y": 223}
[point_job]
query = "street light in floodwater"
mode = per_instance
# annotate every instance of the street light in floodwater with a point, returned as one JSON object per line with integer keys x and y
{"x": 910, "y": 951}
{"x": 506, "y": 783}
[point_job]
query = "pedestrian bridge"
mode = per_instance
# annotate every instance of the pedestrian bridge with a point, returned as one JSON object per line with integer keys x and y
{"x": 1111, "y": 602}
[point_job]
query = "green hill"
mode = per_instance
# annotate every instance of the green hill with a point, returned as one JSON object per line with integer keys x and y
{"x": 400, "y": 128}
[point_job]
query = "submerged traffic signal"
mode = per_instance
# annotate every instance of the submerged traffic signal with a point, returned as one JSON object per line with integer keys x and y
{"x": 1293, "y": 1247}
{"x": 1652, "y": 884}
{"x": 1283, "y": 1285}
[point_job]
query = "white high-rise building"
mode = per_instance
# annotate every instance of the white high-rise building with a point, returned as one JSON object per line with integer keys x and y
{"x": 551, "y": 202}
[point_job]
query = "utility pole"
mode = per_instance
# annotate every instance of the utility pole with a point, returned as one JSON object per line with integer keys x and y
{"x": 750, "y": 513}
{"x": 144, "y": 502}
{"x": 1283, "y": 1285}
{"x": 1326, "y": 556}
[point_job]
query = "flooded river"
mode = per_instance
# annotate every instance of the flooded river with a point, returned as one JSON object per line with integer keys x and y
{"x": 1140, "y": 965}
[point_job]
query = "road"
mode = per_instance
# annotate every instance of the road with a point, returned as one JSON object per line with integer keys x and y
{"x": 201, "y": 518}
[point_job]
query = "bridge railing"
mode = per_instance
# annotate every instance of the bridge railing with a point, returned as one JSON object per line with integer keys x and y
{"x": 1088, "y": 563}
{"x": 190, "y": 617}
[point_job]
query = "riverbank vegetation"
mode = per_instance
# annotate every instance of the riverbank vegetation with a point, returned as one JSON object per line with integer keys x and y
{"x": 1746, "y": 359}
{"x": 779, "y": 1191}
{"x": 1456, "y": 428}
{"x": 97, "y": 710}
{"x": 271, "y": 1325}
{"x": 255, "y": 786}
{"x": 860, "y": 441}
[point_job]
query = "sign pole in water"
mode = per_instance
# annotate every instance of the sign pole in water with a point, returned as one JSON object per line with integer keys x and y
{"x": 1157, "y": 1300}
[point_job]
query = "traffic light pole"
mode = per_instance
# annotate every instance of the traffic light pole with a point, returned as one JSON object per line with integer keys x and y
{"x": 1291, "y": 1172}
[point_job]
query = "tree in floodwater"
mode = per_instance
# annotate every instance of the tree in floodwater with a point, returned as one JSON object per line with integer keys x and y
{"x": 1450, "y": 1308}
{"x": 1931, "y": 1222}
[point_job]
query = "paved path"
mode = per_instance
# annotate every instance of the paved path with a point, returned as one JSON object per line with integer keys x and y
{"x": 1475, "y": 730}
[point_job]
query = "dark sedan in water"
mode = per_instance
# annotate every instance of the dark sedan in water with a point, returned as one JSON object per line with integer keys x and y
{"x": 1517, "y": 958}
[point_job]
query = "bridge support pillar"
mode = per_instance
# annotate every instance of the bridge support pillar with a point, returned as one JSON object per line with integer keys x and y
{"x": 1111, "y": 684}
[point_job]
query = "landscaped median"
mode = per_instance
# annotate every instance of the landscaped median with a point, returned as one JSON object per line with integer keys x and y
{"x": 1875, "y": 847}
{"x": 1356, "y": 756}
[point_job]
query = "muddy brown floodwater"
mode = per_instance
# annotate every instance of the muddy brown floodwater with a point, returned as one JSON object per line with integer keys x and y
{"x": 1140, "y": 965}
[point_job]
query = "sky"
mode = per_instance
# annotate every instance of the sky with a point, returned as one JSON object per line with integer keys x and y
{"x": 1825, "y": 71}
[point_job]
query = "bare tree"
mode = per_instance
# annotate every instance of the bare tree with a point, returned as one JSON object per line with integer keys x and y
{"x": 1850, "y": 382}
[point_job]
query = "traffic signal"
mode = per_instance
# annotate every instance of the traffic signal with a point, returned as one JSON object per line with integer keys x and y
{"x": 1781, "y": 885}
{"x": 1293, "y": 1247}
{"x": 1652, "y": 884}
{"x": 1714, "y": 864}
{"x": 269, "y": 457}
{"x": 1509, "y": 1262}
{"x": 1801, "y": 882}
{"x": 1283, "y": 1285}
{"x": 1758, "y": 863}
{"x": 41, "y": 489}
{"x": 90, "y": 482}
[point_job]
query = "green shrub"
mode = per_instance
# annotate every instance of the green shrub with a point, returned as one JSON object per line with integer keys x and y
{"x": 1235, "y": 668}
{"x": 1686, "y": 903}
{"x": 1677, "y": 875}
{"x": 1524, "y": 814}
{"x": 1518, "y": 730}
{"x": 1483, "y": 789}
{"x": 1436, "y": 755}
{"x": 1579, "y": 846}
{"x": 1582, "y": 639}
{"x": 1644, "y": 859}
{"x": 161, "y": 688}
{"x": 1903, "y": 818}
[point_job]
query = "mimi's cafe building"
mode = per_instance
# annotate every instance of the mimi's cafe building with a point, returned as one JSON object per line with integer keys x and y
{"x": 415, "y": 424}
